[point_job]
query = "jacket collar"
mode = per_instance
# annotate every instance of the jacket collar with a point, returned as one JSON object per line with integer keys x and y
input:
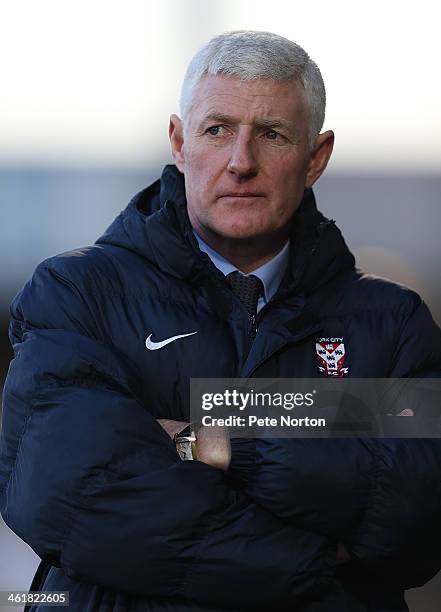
{"x": 155, "y": 225}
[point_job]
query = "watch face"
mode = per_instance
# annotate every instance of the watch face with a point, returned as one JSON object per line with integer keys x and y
{"x": 185, "y": 444}
{"x": 184, "y": 447}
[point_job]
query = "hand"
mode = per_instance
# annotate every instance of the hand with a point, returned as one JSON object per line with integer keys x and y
{"x": 213, "y": 446}
{"x": 212, "y": 443}
{"x": 405, "y": 412}
{"x": 172, "y": 427}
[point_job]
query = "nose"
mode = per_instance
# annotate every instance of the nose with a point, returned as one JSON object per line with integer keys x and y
{"x": 242, "y": 163}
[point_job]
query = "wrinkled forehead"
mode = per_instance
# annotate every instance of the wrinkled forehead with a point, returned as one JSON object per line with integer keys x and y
{"x": 248, "y": 101}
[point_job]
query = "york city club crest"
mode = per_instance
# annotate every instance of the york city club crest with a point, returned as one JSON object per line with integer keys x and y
{"x": 331, "y": 353}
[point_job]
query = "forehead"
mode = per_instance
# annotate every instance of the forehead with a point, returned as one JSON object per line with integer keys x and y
{"x": 248, "y": 100}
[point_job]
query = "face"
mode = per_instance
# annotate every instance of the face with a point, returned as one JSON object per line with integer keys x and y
{"x": 245, "y": 156}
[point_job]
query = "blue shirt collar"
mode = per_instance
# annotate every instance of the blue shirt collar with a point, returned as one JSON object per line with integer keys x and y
{"x": 271, "y": 273}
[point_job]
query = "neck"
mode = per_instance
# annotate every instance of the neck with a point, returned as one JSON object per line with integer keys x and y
{"x": 246, "y": 254}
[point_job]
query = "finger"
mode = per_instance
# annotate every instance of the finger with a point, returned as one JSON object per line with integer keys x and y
{"x": 172, "y": 427}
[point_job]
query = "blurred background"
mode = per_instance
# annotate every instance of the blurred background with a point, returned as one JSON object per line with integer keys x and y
{"x": 85, "y": 93}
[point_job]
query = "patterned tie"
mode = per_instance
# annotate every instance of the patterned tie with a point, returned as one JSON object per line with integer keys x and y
{"x": 248, "y": 289}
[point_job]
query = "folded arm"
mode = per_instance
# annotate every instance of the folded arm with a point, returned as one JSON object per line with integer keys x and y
{"x": 94, "y": 485}
{"x": 381, "y": 497}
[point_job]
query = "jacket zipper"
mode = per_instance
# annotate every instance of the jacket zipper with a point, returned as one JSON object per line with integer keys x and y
{"x": 294, "y": 340}
{"x": 252, "y": 332}
{"x": 252, "y": 329}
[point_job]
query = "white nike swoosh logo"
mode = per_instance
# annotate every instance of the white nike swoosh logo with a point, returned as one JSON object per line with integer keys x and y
{"x": 154, "y": 346}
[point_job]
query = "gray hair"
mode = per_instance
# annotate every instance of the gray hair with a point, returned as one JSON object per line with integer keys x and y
{"x": 251, "y": 55}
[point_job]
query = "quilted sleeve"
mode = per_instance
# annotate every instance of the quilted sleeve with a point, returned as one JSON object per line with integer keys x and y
{"x": 400, "y": 532}
{"x": 94, "y": 485}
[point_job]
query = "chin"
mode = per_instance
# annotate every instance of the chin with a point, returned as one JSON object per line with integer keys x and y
{"x": 241, "y": 232}
{"x": 242, "y": 226}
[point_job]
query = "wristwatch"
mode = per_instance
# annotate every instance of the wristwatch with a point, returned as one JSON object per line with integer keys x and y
{"x": 185, "y": 442}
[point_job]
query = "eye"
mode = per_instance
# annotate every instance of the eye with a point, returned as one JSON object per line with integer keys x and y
{"x": 215, "y": 130}
{"x": 272, "y": 135}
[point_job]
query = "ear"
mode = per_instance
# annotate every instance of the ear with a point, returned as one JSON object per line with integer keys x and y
{"x": 176, "y": 135}
{"x": 320, "y": 157}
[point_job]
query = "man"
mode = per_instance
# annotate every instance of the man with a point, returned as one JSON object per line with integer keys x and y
{"x": 106, "y": 339}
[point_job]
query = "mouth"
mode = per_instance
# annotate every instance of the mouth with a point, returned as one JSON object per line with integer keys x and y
{"x": 242, "y": 194}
